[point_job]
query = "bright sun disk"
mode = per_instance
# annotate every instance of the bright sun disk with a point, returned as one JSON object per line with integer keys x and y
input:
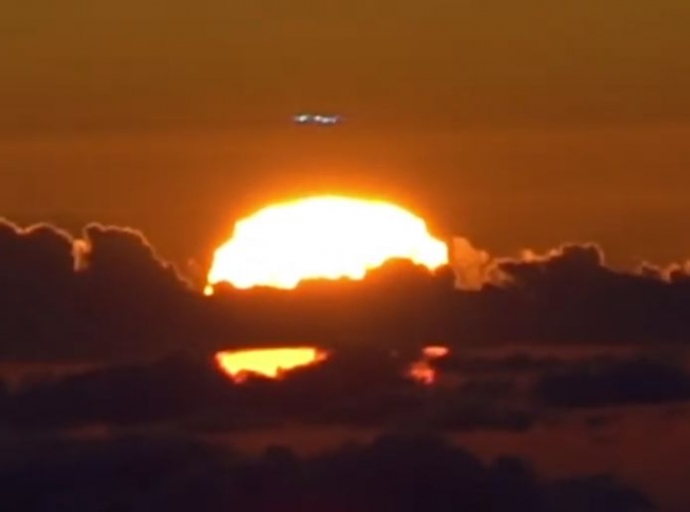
{"x": 325, "y": 237}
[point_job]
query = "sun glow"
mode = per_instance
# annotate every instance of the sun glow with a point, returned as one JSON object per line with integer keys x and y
{"x": 270, "y": 362}
{"x": 326, "y": 237}
{"x": 422, "y": 371}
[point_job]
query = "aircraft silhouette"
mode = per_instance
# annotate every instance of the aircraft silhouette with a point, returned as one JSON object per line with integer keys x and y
{"x": 317, "y": 119}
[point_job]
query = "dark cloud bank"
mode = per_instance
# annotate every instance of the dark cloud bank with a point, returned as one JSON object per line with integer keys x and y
{"x": 393, "y": 473}
{"x": 107, "y": 295}
{"x": 108, "y": 300}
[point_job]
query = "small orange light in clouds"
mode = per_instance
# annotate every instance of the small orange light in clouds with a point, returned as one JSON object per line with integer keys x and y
{"x": 421, "y": 370}
{"x": 270, "y": 362}
{"x": 323, "y": 237}
{"x": 434, "y": 351}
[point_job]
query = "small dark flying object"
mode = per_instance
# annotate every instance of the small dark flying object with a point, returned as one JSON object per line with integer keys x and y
{"x": 317, "y": 119}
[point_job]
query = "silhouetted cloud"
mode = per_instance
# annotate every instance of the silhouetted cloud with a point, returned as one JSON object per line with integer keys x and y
{"x": 167, "y": 390}
{"x": 393, "y": 473}
{"x": 108, "y": 295}
{"x": 146, "y": 337}
{"x": 599, "y": 493}
{"x": 566, "y": 296}
{"x": 632, "y": 382}
{"x": 104, "y": 295}
{"x": 358, "y": 388}
{"x": 108, "y": 298}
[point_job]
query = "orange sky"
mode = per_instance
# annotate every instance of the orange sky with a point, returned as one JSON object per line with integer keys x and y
{"x": 513, "y": 124}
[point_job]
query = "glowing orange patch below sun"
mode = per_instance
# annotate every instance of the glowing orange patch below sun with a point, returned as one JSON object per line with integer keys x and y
{"x": 435, "y": 351}
{"x": 270, "y": 362}
{"x": 323, "y": 237}
{"x": 421, "y": 370}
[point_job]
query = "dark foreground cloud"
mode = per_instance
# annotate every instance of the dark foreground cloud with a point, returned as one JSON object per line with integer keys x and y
{"x": 568, "y": 296}
{"x": 356, "y": 388}
{"x": 610, "y": 383}
{"x": 549, "y": 381}
{"x": 144, "y": 339}
{"x": 393, "y": 473}
{"x": 107, "y": 295}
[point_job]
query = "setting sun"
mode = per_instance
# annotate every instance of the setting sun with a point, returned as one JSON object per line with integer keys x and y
{"x": 269, "y": 362}
{"x": 326, "y": 237}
